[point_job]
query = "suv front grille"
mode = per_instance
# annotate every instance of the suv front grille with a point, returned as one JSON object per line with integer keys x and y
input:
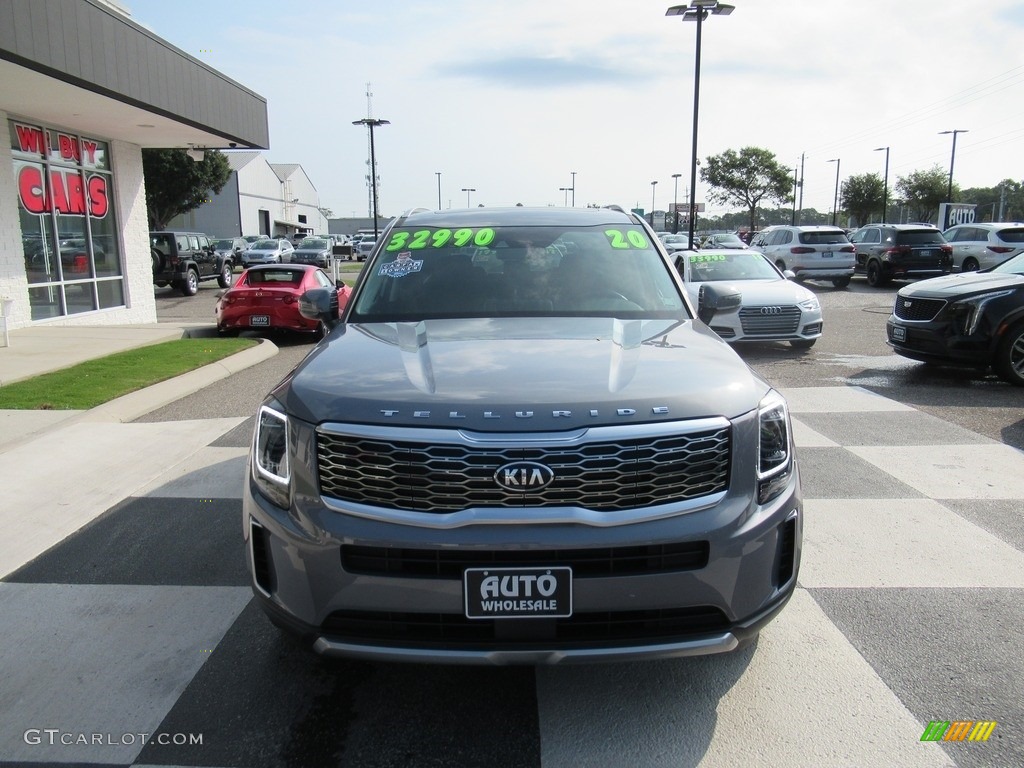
{"x": 448, "y": 630}
{"x": 921, "y": 310}
{"x": 401, "y": 562}
{"x": 770, "y": 320}
{"x": 604, "y": 475}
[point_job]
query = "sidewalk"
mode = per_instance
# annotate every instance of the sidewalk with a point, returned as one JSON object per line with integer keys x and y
{"x": 42, "y": 349}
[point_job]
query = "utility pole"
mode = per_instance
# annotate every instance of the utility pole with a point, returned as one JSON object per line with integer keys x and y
{"x": 800, "y": 213}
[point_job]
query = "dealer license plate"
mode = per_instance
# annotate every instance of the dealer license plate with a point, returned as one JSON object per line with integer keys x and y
{"x": 826, "y": 254}
{"x": 258, "y": 320}
{"x": 517, "y": 593}
{"x": 899, "y": 333}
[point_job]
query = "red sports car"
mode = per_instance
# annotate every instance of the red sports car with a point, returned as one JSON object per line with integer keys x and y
{"x": 267, "y": 296}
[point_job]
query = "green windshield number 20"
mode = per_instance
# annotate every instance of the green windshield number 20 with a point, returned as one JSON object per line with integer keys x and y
{"x": 439, "y": 238}
{"x": 629, "y": 239}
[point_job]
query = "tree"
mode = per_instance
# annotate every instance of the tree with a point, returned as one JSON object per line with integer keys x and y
{"x": 746, "y": 178}
{"x": 176, "y": 184}
{"x": 862, "y": 195}
{"x": 923, "y": 191}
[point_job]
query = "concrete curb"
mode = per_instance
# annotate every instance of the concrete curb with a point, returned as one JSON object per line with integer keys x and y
{"x": 143, "y": 401}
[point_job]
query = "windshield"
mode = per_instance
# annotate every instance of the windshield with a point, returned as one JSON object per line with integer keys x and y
{"x": 742, "y": 265}
{"x": 225, "y": 245}
{"x": 673, "y": 239}
{"x": 264, "y": 245}
{"x": 1014, "y": 266}
{"x": 824, "y": 238}
{"x": 517, "y": 271}
{"x": 313, "y": 243}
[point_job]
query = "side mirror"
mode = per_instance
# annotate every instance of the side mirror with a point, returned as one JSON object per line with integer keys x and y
{"x": 789, "y": 274}
{"x": 320, "y": 304}
{"x": 716, "y": 299}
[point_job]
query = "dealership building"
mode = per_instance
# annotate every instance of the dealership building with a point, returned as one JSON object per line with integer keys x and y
{"x": 83, "y": 89}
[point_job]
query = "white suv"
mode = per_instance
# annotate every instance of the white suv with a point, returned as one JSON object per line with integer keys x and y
{"x": 810, "y": 252}
{"x": 980, "y": 246}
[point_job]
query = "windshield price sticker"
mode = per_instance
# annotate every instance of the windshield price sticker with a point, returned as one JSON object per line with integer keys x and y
{"x": 701, "y": 257}
{"x": 401, "y": 266}
{"x": 439, "y": 238}
{"x": 517, "y": 593}
{"x": 631, "y": 238}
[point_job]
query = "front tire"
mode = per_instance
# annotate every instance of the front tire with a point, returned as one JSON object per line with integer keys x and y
{"x": 840, "y": 282}
{"x": 190, "y": 285}
{"x": 1009, "y": 359}
{"x": 969, "y": 265}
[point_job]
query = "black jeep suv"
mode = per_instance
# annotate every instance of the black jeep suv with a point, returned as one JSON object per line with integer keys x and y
{"x": 183, "y": 259}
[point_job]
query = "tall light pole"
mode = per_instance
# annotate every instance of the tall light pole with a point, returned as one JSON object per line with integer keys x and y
{"x": 565, "y": 202}
{"x": 952, "y": 157}
{"x": 795, "y": 182}
{"x": 468, "y": 190}
{"x": 885, "y": 188}
{"x": 675, "y": 203}
{"x": 697, "y": 10}
{"x": 653, "y": 185}
{"x": 371, "y": 123}
{"x": 835, "y": 200}
{"x": 573, "y": 188}
{"x": 438, "y": 174}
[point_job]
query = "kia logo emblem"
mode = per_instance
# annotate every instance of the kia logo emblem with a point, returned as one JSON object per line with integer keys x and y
{"x": 522, "y": 476}
{"x": 771, "y": 310}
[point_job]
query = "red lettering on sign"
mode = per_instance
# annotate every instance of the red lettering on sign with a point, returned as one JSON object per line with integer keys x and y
{"x": 30, "y": 189}
{"x": 68, "y": 147}
{"x": 98, "y": 203}
{"x": 30, "y": 139}
{"x": 89, "y": 148}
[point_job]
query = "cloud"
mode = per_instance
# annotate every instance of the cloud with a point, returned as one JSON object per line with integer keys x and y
{"x": 542, "y": 71}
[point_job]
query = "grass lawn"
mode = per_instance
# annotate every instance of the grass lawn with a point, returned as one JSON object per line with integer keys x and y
{"x": 94, "y": 382}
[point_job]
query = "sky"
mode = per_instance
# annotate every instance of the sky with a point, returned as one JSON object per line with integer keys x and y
{"x": 510, "y": 99}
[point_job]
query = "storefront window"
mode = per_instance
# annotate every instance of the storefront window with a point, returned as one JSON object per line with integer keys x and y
{"x": 70, "y": 232}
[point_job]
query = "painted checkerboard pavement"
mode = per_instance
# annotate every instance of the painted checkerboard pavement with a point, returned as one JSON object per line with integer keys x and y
{"x": 139, "y": 627}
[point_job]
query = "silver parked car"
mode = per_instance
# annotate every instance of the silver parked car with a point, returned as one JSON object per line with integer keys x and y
{"x": 268, "y": 251}
{"x": 773, "y": 308}
{"x": 980, "y": 246}
{"x": 810, "y": 252}
{"x": 522, "y": 446}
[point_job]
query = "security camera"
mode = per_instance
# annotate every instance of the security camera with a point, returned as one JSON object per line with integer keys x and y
{"x": 232, "y": 144}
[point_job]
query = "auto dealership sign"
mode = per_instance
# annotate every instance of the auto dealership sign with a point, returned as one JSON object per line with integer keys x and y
{"x": 955, "y": 213}
{"x": 70, "y": 191}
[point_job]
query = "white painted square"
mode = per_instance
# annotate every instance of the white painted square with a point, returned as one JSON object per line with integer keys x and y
{"x": 805, "y": 437}
{"x": 130, "y": 654}
{"x": 993, "y": 471}
{"x": 901, "y": 543}
{"x": 838, "y": 399}
{"x": 804, "y": 697}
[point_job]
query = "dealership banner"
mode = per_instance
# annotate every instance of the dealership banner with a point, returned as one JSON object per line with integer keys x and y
{"x": 955, "y": 213}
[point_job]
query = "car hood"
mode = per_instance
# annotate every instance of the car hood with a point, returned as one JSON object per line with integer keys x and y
{"x": 310, "y": 251}
{"x": 520, "y": 374}
{"x": 949, "y": 286}
{"x": 759, "y": 292}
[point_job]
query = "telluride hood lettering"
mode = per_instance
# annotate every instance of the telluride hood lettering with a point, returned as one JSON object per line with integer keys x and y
{"x": 534, "y": 374}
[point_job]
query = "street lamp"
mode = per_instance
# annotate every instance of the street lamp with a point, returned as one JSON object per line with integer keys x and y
{"x": 795, "y": 182}
{"x": 675, "y": 203}
{"x": 467, "y": 190}
{"x": 573, "y": 188}
{"x": 438, "y": 174}
{"x": 952, "y": 157}
{"x": 653, "y": 185}
{"x": 697, "y": 10}
{"x": 885, "y": 189}
{"x": 835, "y": 200}
{"x": 372, "y": 123}
{"x": 567, "y": 190}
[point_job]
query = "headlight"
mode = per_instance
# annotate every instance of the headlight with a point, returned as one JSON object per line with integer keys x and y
{"x": 811, "y": 304}
{"x": 774, "y": 447}
{"x": 271, "y": 467}
{"x": 969, "y": 310}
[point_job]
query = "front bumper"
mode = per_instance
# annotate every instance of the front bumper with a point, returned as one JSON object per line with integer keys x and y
{"x": 938, "y": 342}
{"x": 392, "y": 613}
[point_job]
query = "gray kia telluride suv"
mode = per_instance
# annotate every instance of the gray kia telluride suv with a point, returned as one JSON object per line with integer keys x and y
{"x": 519, "y": 444}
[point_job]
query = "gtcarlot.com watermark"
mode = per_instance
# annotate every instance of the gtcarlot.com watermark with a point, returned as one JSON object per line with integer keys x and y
{"x": 55, "y": 736}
